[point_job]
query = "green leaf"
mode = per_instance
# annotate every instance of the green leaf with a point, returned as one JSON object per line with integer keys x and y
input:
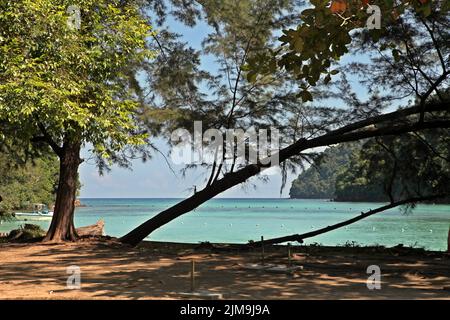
{"x": 334, "y": 72}
{"x": 396, "y": 54}
{"x": 306, "y": 96}
{"x": 251, "y": 76}
{"x": 298, "y": 44}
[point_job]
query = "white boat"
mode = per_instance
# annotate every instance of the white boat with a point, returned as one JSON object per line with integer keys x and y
{"x": 40, "y": 212}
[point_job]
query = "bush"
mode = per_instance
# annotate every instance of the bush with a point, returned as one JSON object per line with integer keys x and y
{"x": 27, "y": 232}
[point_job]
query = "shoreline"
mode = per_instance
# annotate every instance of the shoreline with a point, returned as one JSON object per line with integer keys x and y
{"x": 160, "y": 270}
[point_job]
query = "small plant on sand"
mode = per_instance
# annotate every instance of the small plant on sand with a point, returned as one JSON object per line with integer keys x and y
{"x": 316, "y": 245}
{"x": 27, "y": 232}
{"x": 416, "y": 246}
{"x": 351, "y": 244}
{"x": 6, "y": 216}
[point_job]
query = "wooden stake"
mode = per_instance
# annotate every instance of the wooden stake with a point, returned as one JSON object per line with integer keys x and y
{"x": 289, "y": 253}
{"x": 262, "y": 250}
{"x": 192, "y": 275}
{"x": 448, "y": 241}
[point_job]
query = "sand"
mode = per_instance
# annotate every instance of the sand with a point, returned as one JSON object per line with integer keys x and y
{"x": 161, "y": 271}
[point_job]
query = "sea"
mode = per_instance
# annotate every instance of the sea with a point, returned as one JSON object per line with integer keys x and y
{"x": 241, "y": 220}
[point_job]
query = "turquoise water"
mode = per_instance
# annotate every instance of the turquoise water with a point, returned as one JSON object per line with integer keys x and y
{"x": 239, "y": 220}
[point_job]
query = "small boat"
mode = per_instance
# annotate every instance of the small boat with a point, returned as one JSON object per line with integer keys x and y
{"x": 40, "y": 212}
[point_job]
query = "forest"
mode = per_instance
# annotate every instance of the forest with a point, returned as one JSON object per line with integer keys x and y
{"x": 368, "y": 171}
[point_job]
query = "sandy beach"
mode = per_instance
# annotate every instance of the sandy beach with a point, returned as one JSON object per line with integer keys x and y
{"x": 161, "y": 271}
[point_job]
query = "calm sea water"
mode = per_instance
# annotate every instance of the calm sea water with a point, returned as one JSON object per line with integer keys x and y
{"x": 240, "y": 220}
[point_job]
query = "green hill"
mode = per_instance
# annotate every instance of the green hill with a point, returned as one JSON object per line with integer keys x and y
{"x": 379, "y": 170}
{"x": 318, "y": 181}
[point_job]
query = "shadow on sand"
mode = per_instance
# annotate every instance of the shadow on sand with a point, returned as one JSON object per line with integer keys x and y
{"x": 159, "y": 271}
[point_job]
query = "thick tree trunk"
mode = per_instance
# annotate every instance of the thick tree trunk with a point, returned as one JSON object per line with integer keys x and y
{"x": 62, "y": 227}
{"x": 353, "y": 132}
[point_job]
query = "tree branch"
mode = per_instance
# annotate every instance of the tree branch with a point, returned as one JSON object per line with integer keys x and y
{"x": 436, "y": 45}
{"x": 300, "y": 237}
{"x": 47, "y": 138}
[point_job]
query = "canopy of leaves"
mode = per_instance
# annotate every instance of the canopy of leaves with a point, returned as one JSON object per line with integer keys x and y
{"x": 58, "y": 82}
{"x": 312, "y": 50}
{"x": 266, "y": 50}
{"x": 224, "y": 97}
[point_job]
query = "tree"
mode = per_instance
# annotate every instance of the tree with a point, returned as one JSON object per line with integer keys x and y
{"x": 67, "y": 79}
{"x": 300, "y": 237}
{"x": 311, "y": 54}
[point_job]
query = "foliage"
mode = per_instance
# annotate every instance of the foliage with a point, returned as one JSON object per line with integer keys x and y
{"x": 381, "y": 169}
{"x": 24, "y": 184}
{"x": 408, "y": 57}
{"x": 181, "y": 91}
{"x": 395, "y": 168}
{"x": 68, "y": 78}
{"x": 318, "y": 181}
{"x": 27, "y": 232}
{"x": 312, "y": 49}
{"x": 262, "y": 78}
{"x": 60, "y": 84}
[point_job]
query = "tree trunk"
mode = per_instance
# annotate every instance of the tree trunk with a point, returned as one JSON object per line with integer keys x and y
{"x": 62, "y": 227}
{"x": 448, "y": 241}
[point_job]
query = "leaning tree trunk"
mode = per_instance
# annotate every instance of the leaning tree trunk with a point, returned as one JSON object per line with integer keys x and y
{"x": 62, "y": 227}
{"x": 351, "y": 132}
